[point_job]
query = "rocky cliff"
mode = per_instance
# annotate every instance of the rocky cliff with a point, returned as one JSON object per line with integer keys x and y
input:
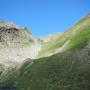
{"x": 11, "y": 33}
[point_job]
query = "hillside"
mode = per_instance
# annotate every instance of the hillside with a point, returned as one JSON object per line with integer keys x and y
{"x": 76, "y": 37}
{"x": 63, "y": 62}
{"x": 66, "y": 71}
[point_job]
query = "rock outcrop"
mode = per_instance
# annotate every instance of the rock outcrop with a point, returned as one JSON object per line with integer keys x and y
{"x": 11, "y": 33}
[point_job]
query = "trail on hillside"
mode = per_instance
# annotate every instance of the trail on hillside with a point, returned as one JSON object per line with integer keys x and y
{"x": 62, "y": 48}
{"x": 59, "y": 49}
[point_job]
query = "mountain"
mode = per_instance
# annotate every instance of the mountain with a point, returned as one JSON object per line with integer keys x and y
{"x": 63, "y": 62}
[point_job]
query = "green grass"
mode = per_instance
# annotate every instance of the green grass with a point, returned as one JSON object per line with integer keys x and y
{"x": 79, "y": 36}
{"x": 54, "y": 45}
{"x": 51, "y": 47}
{"x": 9, "y": 78}
{"x": 1, "y": 65}
{"x": 80, "y": 21}
{"x": 58, "y": 72}
{"x": 80, "y": 40}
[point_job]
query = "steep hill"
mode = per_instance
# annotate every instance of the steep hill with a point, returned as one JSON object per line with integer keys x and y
{"x": 76, "y": 37}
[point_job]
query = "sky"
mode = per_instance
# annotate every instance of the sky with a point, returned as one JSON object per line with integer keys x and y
{"x": 44, "y": 17}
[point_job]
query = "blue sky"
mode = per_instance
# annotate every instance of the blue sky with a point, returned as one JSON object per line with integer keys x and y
{"x": 44, "y": 17}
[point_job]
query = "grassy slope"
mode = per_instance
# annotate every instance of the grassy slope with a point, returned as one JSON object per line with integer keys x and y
{"x": 77, "y": 36}
{"x": 80, "y": 40}
{"x": 52, "y": 46}
{"x": 58, "y": 72}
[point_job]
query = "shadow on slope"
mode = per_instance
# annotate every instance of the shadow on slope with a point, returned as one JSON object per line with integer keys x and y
{"x": 65, "y": 71}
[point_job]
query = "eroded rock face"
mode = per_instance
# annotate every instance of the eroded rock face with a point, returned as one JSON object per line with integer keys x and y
{"x": 16, "y": 44}
{"x": 10, "y": 33}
